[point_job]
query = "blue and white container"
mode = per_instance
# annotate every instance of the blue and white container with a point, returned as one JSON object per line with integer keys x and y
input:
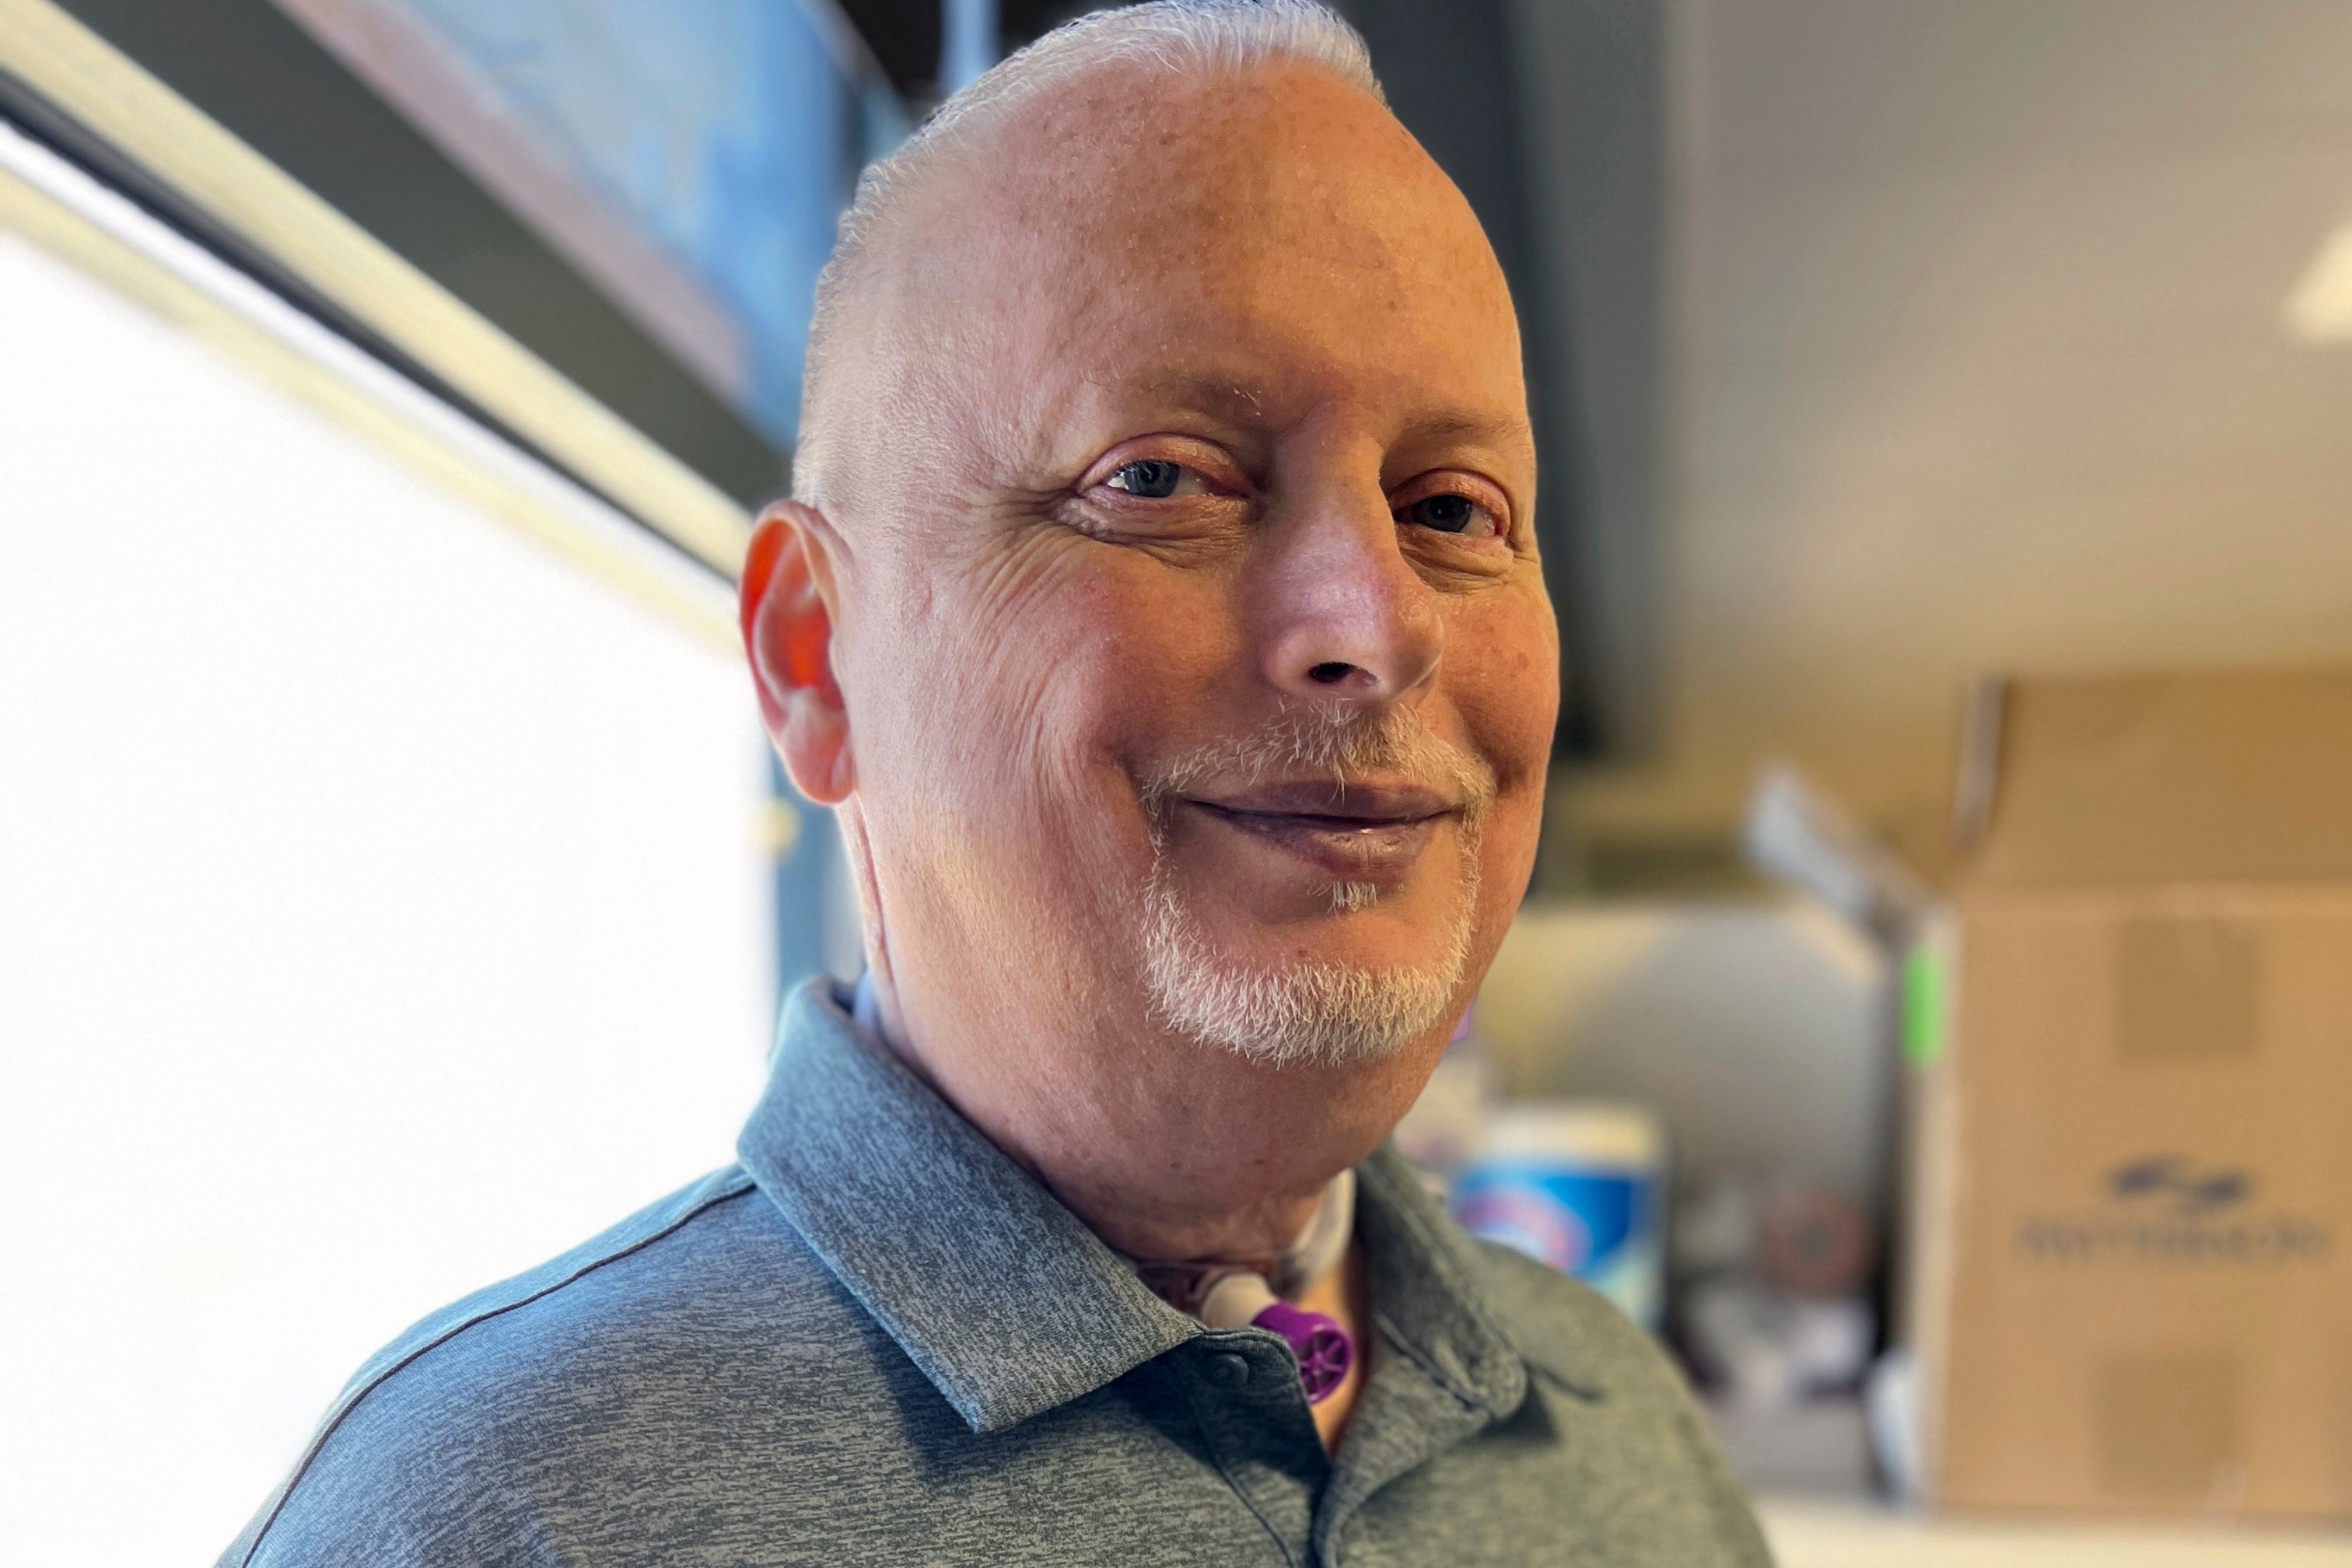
{"x": 1580, "y": 1185}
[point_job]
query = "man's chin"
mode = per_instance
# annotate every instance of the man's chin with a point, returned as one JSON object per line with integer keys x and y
{"x": 1326, "y": 992}
{"x": 1344, "y": 926}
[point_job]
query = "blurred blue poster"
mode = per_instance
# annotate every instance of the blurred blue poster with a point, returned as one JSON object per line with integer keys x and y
{"x": 690, "y": 157}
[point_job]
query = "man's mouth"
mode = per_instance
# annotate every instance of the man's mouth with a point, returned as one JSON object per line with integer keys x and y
{"x": 1361, "y": 832}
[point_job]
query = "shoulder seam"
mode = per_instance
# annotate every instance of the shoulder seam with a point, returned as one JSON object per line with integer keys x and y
{"x": 738, "y": 1186}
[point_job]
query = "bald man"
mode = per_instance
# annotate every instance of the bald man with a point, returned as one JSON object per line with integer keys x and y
{"x": 1159, "y": 607}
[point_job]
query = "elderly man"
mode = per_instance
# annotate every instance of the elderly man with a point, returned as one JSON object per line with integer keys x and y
{"x": 1159, "y": 606}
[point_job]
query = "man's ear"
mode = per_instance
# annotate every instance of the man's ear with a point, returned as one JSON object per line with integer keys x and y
{"x": 788, "y": 618}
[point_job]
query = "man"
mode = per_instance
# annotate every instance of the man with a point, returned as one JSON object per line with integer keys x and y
{"x": 1159, "y": 608}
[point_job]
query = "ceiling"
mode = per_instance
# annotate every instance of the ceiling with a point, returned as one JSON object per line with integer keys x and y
{"x": 1974, "y": 363}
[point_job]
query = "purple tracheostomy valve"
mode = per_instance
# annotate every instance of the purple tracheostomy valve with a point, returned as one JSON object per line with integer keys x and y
{"x": 1324, "y": 1349}
{"x": 1236, "y": 1295}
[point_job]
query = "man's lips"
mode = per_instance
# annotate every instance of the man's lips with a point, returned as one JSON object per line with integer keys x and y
{"x": 1367, "y": 832}
{"x": 1367, "y": 800}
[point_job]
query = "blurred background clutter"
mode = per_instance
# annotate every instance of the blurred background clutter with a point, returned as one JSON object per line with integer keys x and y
{"x": 1929, "y": 1016}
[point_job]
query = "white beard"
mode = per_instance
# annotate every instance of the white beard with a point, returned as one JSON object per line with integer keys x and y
{"x": 1299, "y": 1012}
{"x": 1296, "y": 1013}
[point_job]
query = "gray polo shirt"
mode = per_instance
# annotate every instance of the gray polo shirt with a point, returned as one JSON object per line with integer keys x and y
{"x": 876, "y": 1340}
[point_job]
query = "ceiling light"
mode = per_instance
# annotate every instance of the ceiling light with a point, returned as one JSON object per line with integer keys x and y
{"x": 2320, "y": 309}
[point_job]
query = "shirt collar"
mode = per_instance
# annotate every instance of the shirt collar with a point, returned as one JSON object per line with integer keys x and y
{"x": 1426, "y": 1295}
{"x": 1002, "y": 1296}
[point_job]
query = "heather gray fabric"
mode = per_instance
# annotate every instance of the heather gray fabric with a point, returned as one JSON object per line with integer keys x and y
{"x": 877, "y": 1341}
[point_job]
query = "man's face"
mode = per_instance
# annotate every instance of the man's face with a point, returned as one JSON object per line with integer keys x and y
{"x": 1199, "y": 669}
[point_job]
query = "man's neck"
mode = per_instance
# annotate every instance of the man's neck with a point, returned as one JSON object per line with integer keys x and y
{"x": 1151, "y": 1219}
{"x": 1168, "y": 1222}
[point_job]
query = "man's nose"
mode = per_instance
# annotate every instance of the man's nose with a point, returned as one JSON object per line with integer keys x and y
{"x": 1345, "y": 613}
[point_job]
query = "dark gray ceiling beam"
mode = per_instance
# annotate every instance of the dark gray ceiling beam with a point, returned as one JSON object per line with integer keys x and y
{"x": 1547, "y": 113}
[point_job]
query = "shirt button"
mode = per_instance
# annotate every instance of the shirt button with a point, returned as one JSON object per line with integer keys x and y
{"x": 1229, "y": 1371}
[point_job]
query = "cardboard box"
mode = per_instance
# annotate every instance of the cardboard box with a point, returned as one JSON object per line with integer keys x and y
{"x": 2130, "y": 1265}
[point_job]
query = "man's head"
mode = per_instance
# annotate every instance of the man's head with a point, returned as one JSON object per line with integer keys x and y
{"x": 1159, "y": 597}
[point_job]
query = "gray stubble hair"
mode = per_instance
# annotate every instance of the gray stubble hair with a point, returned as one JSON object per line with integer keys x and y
{"x": 1317, "y": 1013}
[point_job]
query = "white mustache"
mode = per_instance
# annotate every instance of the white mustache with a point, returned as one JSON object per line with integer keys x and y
{"x": 1338, "y": 739}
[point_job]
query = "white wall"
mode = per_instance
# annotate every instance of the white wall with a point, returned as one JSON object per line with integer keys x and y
{"x": 1758, "y": 1030}
{"x": 382, "y": 909}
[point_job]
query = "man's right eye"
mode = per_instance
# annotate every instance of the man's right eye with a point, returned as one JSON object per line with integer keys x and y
{"x": 1149, "y": 479}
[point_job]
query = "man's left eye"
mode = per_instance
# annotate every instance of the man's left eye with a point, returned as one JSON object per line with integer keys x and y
{"x": 1149, "y": 479}
{"x": 1449, "y": 513}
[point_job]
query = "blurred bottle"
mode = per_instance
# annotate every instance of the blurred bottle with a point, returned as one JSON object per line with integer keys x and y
{"x": 1579, "y": 1184}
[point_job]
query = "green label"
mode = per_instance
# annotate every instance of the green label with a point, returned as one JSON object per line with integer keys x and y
{"x": 1923, "y": 1006}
